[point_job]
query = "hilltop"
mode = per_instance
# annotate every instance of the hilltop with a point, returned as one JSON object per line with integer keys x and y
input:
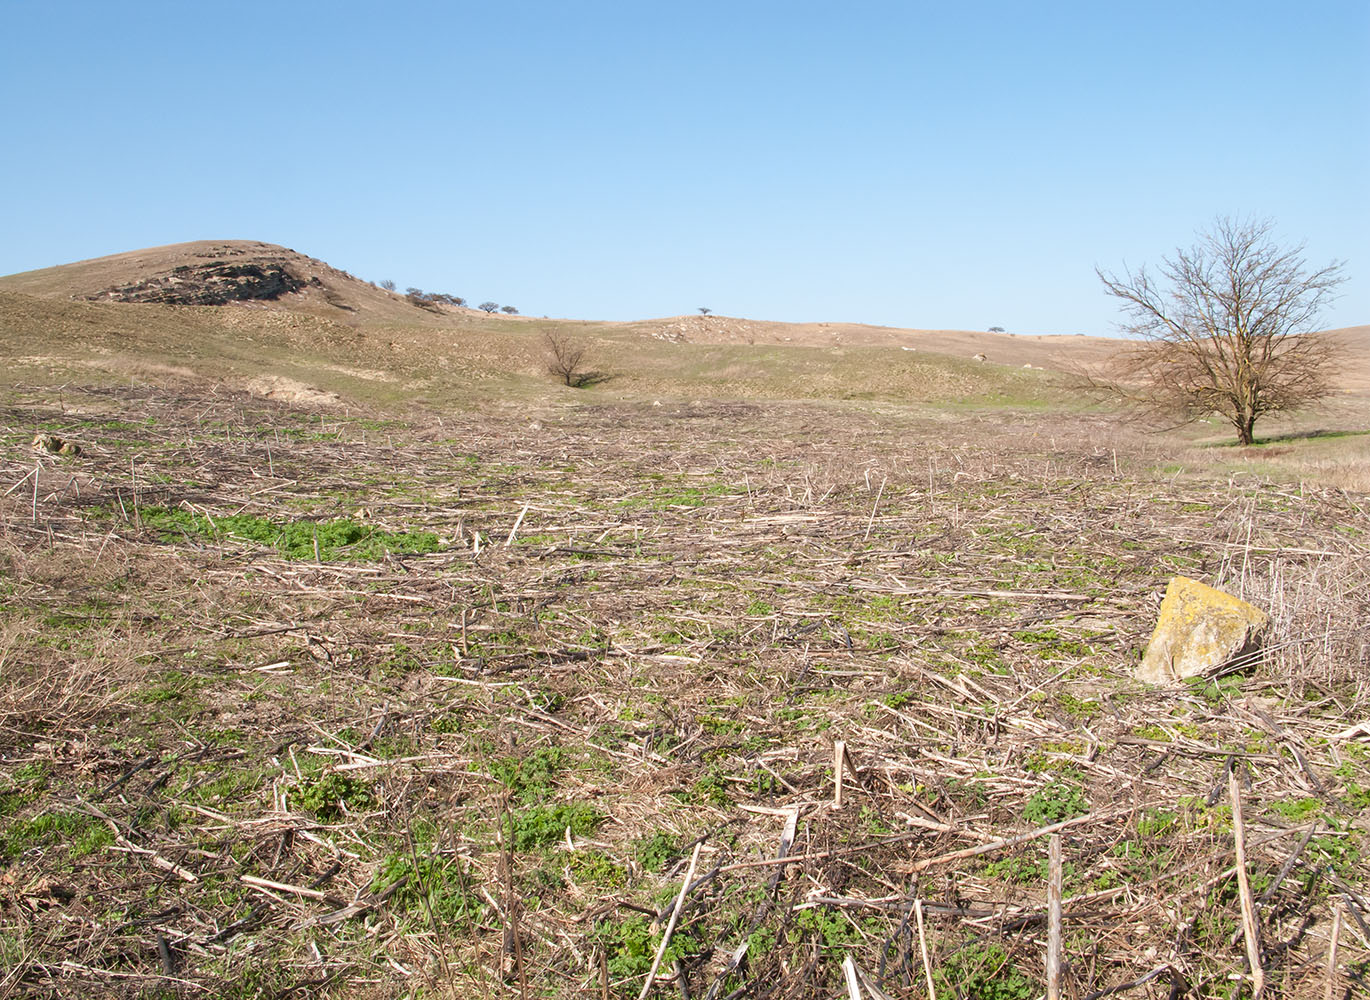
{"x": 242, "y": 273}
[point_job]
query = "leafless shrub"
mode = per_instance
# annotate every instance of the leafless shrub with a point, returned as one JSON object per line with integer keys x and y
{"x": 566, "y": 359}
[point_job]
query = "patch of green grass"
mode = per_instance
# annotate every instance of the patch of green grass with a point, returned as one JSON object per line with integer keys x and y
{"x": 720, "y": 726}
{"x": 655, "y": 852}
{"x": 76, "y": 833}
{"x": 1025, "y": 870}
{"x": 598, "y": 870}
{"x": 539, "y": 826}
{"x": 1215, "y": 691}
{"x": 330, "y": 795}
{"x": 1197, "y": 814}
{"x": 335, "y": 540}
{"x": 1055, "y": 803}
{"x": 982, "y": 971}
{"x": 448, "y": 723}
{"x": 1357, "y": 796}
{"x": 531, "y": 778}
{"x": 828, "y": 927}
{"x": 1049, "y": 644}
{"x": 1080, "y": 708}
{"x": 1341, "y": 853}
{"x": 675, "y": 496}
{"x": 227, "y": 789}
{"x": 630, "y": 946}
{"x": 711, "y": 788}
{"x": 1156, "y": 823}
{"x": 29, "y": 782}
{"x": 89, "y": 614}
{"x": 438, "y": 883}
{"x": 401, "y": 662}
{"x": 1296, "y": 810}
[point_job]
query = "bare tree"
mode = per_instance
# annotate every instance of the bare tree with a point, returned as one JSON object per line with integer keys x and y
{"x": 704, "y": 310}
{"x": 489, "y": 306}
{"x": 1228, "y": 327}
{"x": 566, "y": 358}
{"x": 388, "y": 285}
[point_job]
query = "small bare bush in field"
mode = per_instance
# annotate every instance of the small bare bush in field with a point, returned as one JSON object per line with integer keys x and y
{"x": 566, "y": 359}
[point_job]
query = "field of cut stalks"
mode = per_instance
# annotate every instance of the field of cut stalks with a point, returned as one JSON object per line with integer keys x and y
{"x": 698, "y": 700}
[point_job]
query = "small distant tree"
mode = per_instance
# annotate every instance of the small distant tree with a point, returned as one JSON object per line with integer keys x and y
{"x": 704, "y": 310}
{"x": 1229, "y": 327}
{"x": 388, "y": 285}
{"x": 566, "y": 358}
{"x": 489, "y": 306}
{"x": 996, "y": 329}
{"x": 510, "y": 310}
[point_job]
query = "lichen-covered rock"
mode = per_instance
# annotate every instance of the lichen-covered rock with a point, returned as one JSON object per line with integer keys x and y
{"x": 1199, "y": 630}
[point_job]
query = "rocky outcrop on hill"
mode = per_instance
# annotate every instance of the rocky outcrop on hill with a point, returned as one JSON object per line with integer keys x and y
{"x": 211, "y": 284}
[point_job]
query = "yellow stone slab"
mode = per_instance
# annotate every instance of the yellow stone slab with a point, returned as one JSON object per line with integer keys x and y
{"x": 1199, "y": 630}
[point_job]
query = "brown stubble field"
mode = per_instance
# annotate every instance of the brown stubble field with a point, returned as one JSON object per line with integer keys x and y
{"x": 312, "y": 702}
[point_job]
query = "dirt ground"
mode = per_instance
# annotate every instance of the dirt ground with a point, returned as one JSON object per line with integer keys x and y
{"x": 296, "y": 701}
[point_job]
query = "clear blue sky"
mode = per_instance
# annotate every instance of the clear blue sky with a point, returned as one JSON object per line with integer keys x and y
{"x": 915, "y": 164}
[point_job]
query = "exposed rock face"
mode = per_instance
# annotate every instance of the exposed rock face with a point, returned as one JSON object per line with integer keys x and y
{"x": 1199, "y": 630}
{"x": 213, "y": 284}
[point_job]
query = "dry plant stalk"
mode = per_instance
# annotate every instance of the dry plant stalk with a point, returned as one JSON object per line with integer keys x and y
{"x": 1250, "y": 926}
{"x": 1054, "y": 919}
{"x": 1332, "y": 945}
{"x": 670, "y": 925}
{"x": 923, "y": 949}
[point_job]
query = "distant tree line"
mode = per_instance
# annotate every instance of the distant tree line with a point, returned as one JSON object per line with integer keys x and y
{"x": 423, "y": 299}
{"x": 432, "y": 300}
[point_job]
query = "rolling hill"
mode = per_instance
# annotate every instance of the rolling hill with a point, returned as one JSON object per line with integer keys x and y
{"x": 257, "y": 314}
